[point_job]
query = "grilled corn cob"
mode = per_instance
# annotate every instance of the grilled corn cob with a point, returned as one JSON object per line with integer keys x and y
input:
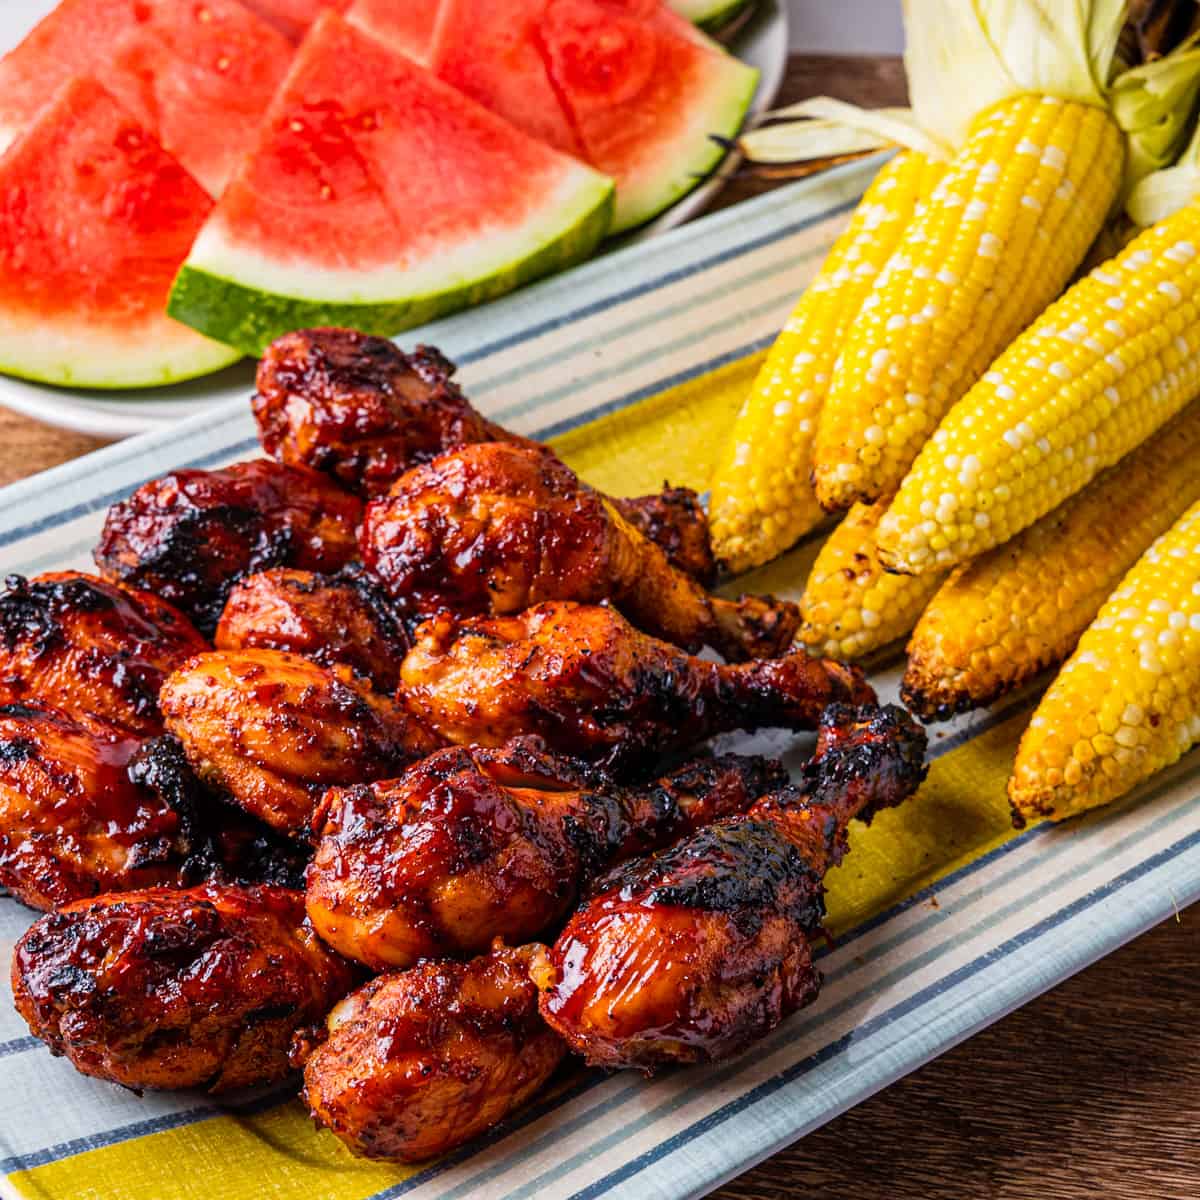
{"x": 1000, "y": 238}
{"x": 1003, "y": 617}
{"x": 851, "y": 606}
{"x": 1093, "y": 377}
{"x": 762, "y": 500}
{"x": 1127, "y": 704}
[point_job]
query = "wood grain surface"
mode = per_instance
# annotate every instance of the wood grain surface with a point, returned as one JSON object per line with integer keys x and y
{"x": 1093, "y": 1090}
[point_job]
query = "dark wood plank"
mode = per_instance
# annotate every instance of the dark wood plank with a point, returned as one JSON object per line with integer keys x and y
{"x": 1089, "y": 1091}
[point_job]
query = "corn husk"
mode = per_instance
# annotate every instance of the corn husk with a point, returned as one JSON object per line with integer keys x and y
{"x": 963, "y": 56}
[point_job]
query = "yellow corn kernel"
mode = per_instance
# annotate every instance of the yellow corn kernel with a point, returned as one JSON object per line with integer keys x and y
{"x": 762, "y": 500}
{"x": 1093, "y": 377}
{"x": 1020, "y": 608}
{"x": 1000, "y": 238}
{"x": 851, "y": 606}
{"x": 1136, "y": 673}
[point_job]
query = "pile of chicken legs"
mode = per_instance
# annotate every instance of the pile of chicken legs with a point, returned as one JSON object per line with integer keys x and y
{"x": 379, "y": 758}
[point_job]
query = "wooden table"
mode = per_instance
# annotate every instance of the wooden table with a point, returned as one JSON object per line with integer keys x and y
{"x": 1091, "y": 1091}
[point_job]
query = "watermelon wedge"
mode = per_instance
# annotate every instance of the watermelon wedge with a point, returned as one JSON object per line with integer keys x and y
{"x": 645, "y": 101}
{"x": 405, "y": 25}
{"x": 95, "y": 218}
{"x": 198, "y": 76}
{"x": 494, "y": 53}
{"x": 626, "y": 85}
{"x": 379, "y": 197}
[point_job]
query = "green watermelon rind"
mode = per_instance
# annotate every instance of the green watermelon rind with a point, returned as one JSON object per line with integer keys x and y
{"x": 709, "y": 14}
{"x": 124, "y": 361}
{"x": 719, "y": 114}
{"x": 244, "y": 313}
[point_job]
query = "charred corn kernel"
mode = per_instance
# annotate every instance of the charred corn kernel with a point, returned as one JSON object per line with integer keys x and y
{"x": 1020, "y": 608}
{"x": 762, "y": 500}
{"x": 1127, "y": 703}
{"x": 851, "y": 606}
{"x": 1093, "y": 377}
{"x": 999, "y": 239}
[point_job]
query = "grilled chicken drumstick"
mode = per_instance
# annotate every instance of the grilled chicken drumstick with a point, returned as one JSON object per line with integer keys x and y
{"x": 473, "y": 844}
{"x": 582, "y": 678}
{"x": 91, "y": 647}
{"x": 692, "y": 954}
{"x": 361, "y": 410}
{"x": 342, "y": 618}
{"x": 177, "y": 989}
{"x": 72, "y": 823}
{"x": 192, "y": 534}
{"x": 420, "y": 1061}
{"x": 274, "y": 730}
{"x": 495, "y": 528}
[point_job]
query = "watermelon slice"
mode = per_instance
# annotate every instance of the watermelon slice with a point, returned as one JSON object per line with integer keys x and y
{"x": 627, "y": 85}
{"x": 95, "y": 218}
{"x": 198, "y": 76}
{"x": 293, "y": 17}
{"x": 494, "y": 53}
{"x": 405, "y": 25}
{"x": 646, "y": 102}
{"x": 380, "y": 197}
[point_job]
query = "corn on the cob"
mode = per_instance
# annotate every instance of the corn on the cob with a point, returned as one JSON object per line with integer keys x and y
{"x": 1003, "y": 617}
{"x": 851, "y": 606}
{"x": 1093, "y": 377}
{"x": 1127, "y": 704}
{"x": 762, "y": 500}
{"x": 1000, "y": 238}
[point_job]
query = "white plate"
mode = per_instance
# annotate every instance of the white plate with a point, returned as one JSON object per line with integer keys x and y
{"x": 763, "y": 43}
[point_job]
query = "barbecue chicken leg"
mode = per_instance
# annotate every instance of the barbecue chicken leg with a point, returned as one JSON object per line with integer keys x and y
{"x": 177, "y": 989}
{"x": 91, "y": 648}
{"x": 582, "y": 678}
{"x": 72, "y": 823}
{"x": 361, "y": 410}
{"x": 423, "y": 1060}
{"x": 192, "y": 534}
{"x": 343, "y": 618}
{"x": 274, "y": 730}
{"x": 495, "y": 528}
{"x": 694, "y": 953}
{"x": 473, "y": 844}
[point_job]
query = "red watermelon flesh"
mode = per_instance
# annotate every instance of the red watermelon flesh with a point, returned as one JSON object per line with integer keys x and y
{"x": 405, "y": 25}
{"x": 642, "y": 95}
{"x": 361, "y": 132}
{"x": 293, "y": 17}
{"x": 495, "y": 54}
{"x": 95, "y": 220}
{"x": 197, "y": 73}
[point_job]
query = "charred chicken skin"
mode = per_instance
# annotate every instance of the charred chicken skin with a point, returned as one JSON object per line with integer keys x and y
{"x": 361, "y": 410}
{"x": 692, "y": 954}
{"x": 494, "y": 528}
{"x": 274, "y": 730}
{"x": 227, "y": 844}
{"x": 343, "y": 618}
{"x": 473, "y": 844}
{"x": 582, "y": 678}
{"x": 177, "y": 989}
{"x": 72, "y": 822}
{"x": 191, "y": 535}
{"x": 90, "y": 647}
{"x": 420, "y": 1061}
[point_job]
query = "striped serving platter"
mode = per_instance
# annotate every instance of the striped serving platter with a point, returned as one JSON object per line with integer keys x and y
{"x": 943, "y": 918}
